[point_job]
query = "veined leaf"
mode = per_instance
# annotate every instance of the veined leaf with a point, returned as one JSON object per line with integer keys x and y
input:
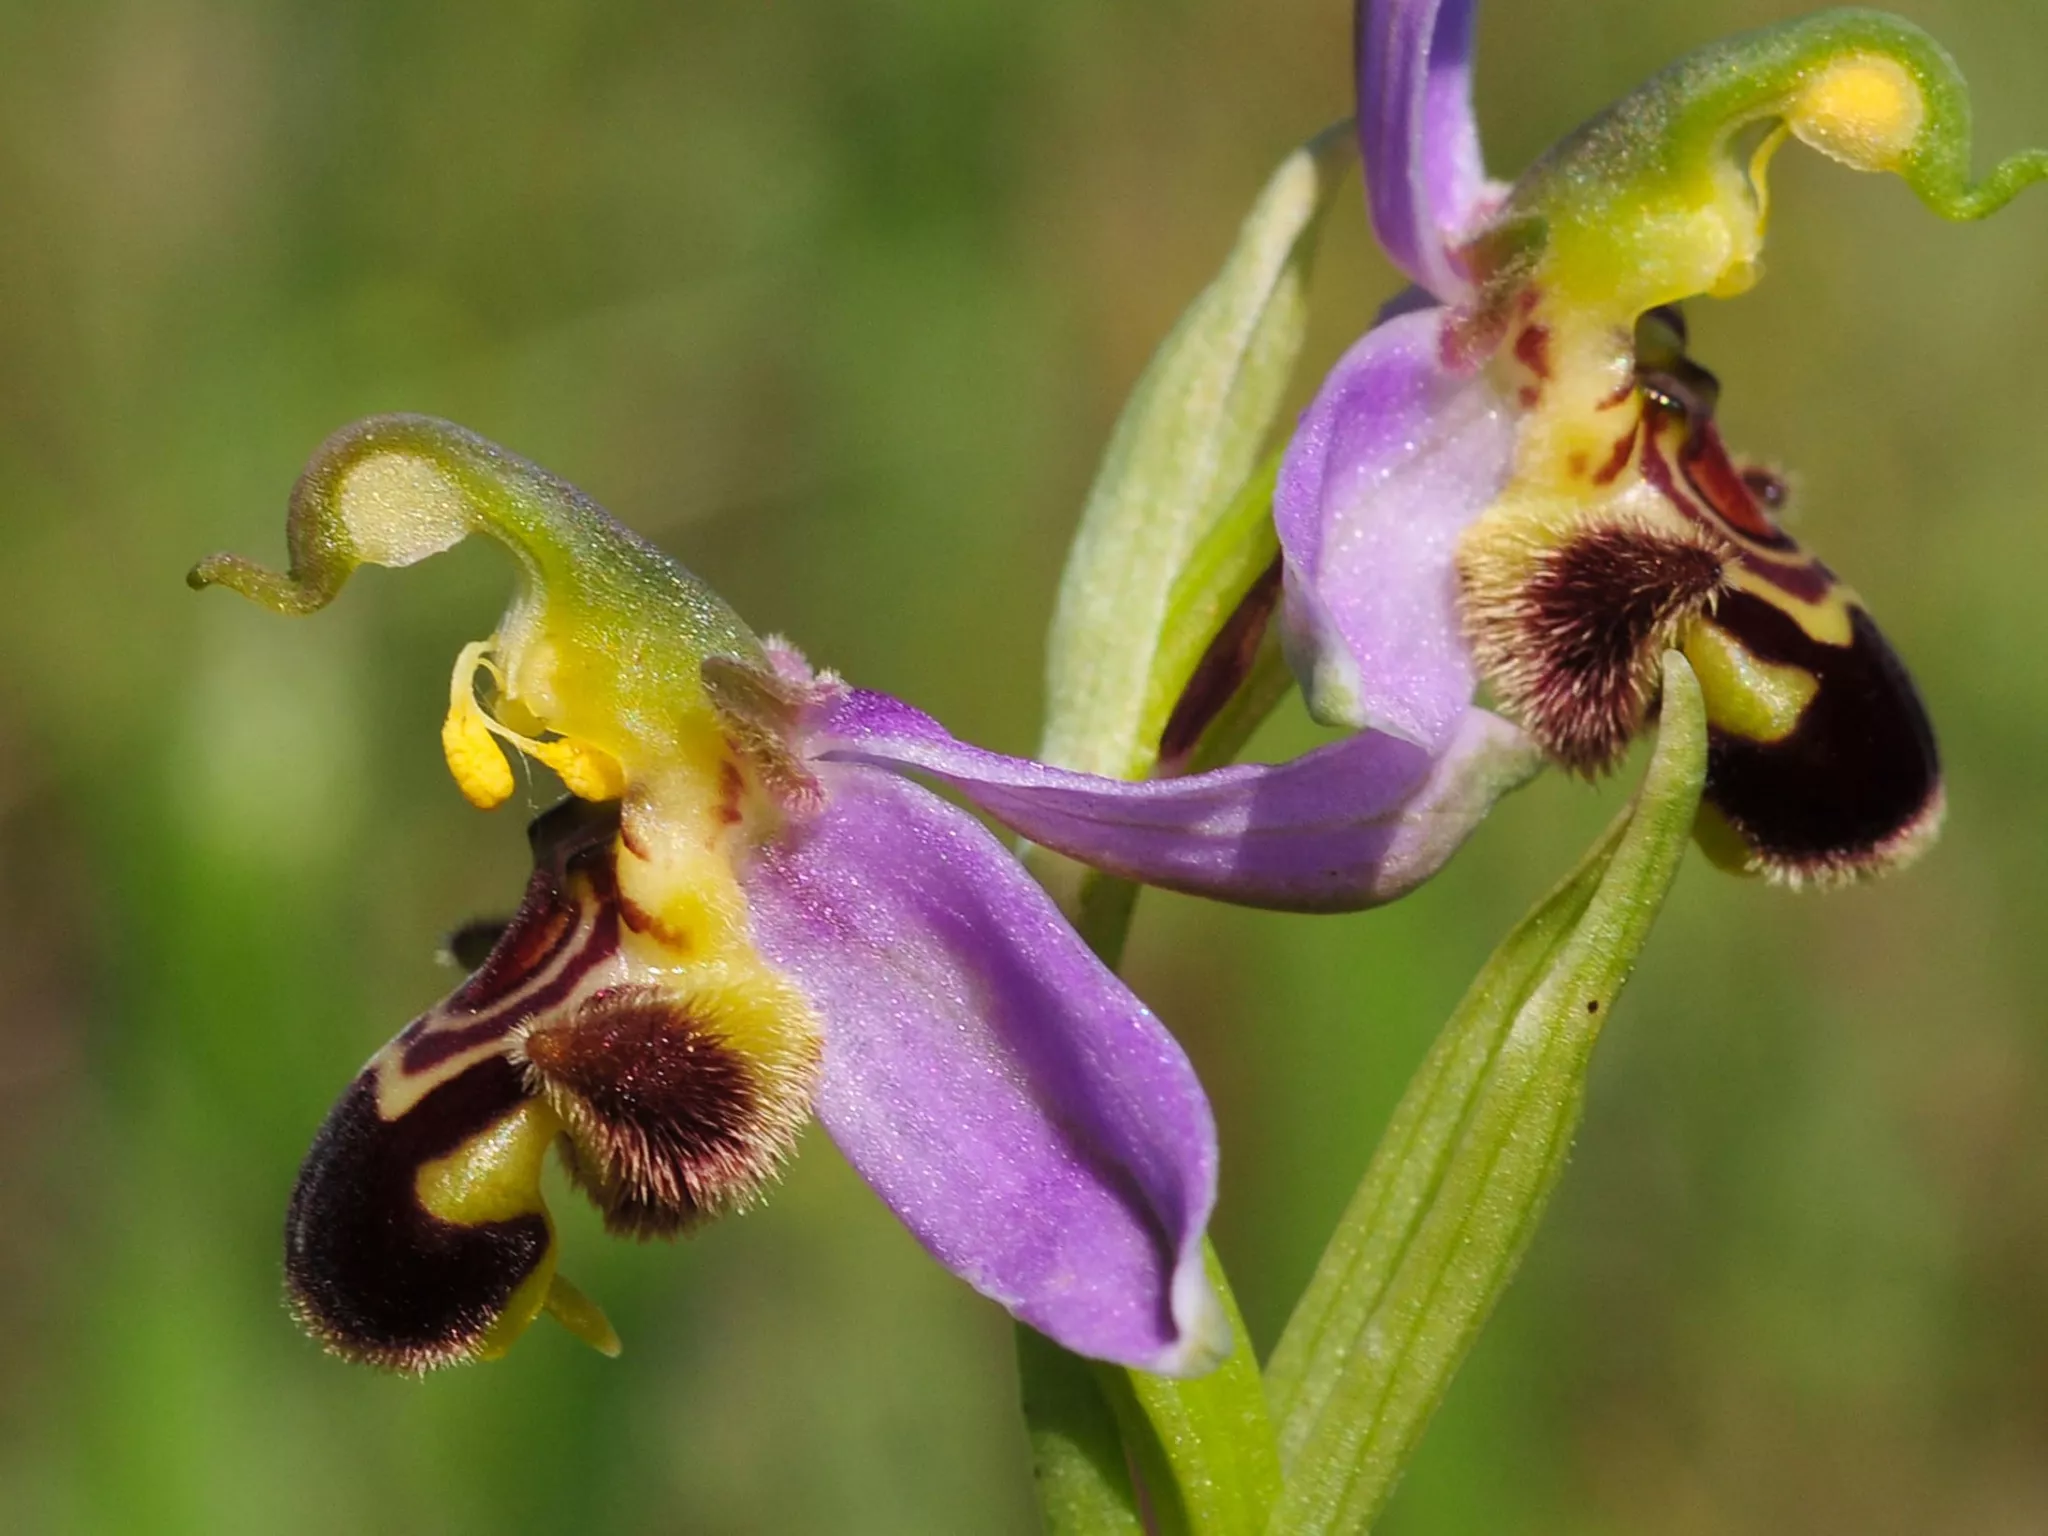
{"x": 1181, "y": 453}
{"x": 1475, "y": 1147}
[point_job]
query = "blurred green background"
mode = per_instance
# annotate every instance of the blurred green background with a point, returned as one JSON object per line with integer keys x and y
{"x": 837, "y": 299}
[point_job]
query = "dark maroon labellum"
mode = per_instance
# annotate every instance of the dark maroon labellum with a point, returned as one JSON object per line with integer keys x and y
{"x": 1857, "y": 783}
{"x": 369, "y": 1270}
{"x": 1855, "y": 786}
{"x": 370, "y": 1273}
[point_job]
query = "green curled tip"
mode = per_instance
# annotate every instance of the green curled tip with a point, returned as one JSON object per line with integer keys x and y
{"x": 389, "y": 490}
{"x": 603, "y": 643}
{"x": 1869, "y": 89}
{"x": 1662, "y": 196}
{"x": 2012, "y": 176}
{"x": 392, "y": 490}
{"x": 1879, "y": 94}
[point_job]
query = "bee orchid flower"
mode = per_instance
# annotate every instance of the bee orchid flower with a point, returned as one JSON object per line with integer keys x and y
{"x": 724, "y": 931}
{"x": 745, "y": 914}
{"x": 1515, "y": 480}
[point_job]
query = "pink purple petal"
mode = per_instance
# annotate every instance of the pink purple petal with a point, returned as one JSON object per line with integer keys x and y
{"x": 1026, "y": 1116}
{"x": 1395, "y": 458}
{"x": 1425, "y": 177}
{"x": 1350, "y": 825}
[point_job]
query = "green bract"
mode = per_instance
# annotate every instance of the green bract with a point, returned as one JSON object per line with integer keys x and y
{"x": 1184, "y": 448}
{"x": 1468, "y": 1161}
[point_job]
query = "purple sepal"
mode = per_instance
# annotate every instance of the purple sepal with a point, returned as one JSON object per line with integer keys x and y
{"x": 1395, "y": 458}
{"x": 1032, "y": 1123}
{"x": 1349, "y": 825}
{"x": 1425, "y": 176}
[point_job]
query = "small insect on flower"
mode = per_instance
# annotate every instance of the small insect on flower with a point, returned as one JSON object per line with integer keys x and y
{"x": 1516, "y": 479}
{"x": 745, "y": 915}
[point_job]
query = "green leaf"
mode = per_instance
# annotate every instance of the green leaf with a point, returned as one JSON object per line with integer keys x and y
{"x": 1468, "y": 1161}
{"x": 1181, "y": 454}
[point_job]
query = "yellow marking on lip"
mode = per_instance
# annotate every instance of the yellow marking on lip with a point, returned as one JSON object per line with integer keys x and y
{"x": 495, "y": 1174}
{"x": 399, "y": 1090}
{"x": 1752, "y": 698}
{"x": 1826, "y": 621}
